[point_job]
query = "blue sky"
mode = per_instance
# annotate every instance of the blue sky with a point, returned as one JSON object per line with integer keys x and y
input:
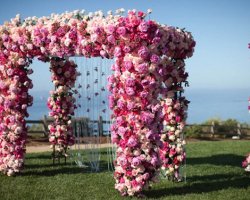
{"x": 220, "y": 28}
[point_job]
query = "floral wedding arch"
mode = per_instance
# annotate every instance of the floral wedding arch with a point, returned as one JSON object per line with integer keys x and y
{"x": 145, "y": 87}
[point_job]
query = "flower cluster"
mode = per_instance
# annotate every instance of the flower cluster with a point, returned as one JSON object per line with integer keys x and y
{"x": 172, "y": 151}
{"x": 136, "y": 85}
{"x": 135, "y": 130}
{"x": 148, "y": 56}
{"x": 246, "y": 163}
{"x": 172, "y": 74}
{"x": 62, "y": 102}
{"x": 14, "y": 100}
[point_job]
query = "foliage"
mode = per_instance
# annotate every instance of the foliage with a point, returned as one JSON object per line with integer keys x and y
{"x": 193, "y": 131}
{"x": 36, "y": 127}
{"x": 216, "y": 121}
{"x": 228, "y": 126}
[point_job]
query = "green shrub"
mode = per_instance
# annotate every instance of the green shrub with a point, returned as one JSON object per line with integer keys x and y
{"x": 193, "y": 131}
{"x": 36, "y": 127}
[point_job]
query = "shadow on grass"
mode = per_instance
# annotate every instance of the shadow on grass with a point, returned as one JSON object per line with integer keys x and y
{"x": 39, "y": 156}
{"x": 220, "y": 159}
{"x": 210, "y": 183}
{"x": 48, "y": 169}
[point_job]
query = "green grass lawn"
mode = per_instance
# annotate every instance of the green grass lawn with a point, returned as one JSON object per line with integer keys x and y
{"x": 213, "y": 172}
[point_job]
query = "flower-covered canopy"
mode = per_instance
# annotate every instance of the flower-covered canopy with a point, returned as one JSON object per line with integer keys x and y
{"x": 149, "y": 66}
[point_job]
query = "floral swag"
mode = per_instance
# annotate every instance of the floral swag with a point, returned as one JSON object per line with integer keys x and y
{"x": 148, "y": 110}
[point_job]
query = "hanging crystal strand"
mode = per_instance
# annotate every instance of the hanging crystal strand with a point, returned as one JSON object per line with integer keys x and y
{"x": 107, "y": 117}
{"x": 84, "y": 113}
{"x": 90, "y": 154}
{"x": 88, "y": 110}
{"x": 78, "y": 158}
{"x": 96, "y": 152}
{"x": 92, "y": 115}
{"x": 111, "y": 151}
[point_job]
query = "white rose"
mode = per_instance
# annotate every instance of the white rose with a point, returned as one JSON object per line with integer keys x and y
{"x": 67, "y": 42}
{"x": 172, "y": 137}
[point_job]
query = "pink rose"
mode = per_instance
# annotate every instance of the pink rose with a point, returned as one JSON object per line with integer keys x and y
{"x": 142, "y": 68}
{"x": 147, "y": 117}
{"x": 128, "y": 65}
{"x": 172, "y": 152}
{"x": 121, "y": 31}
{"x": 130, "y": 105}
{"x": 132, "y": 142}
{"x": 111, "y": 39}
{"x": 117, "y": 52}
{"x": 154, "y": 58}
{"x": 126, "y": 49}
{"x": 143, "y": 27}
{"x": 130, "y": 91}
{"x": 10, "y": 72}
{"x": 143, "y": 52}
{"x": 110, "y": 29}
{"x": 154, "y": 161}
{"x": 136, "y": 161}
{"x": 121, "y": 104}
{"x": 244, "y": 163}
{"x": 121, "y": 131}
{"x": 130, "y": 82}
{"x": 21, "y": 61}
{"x": 248, "y": 159}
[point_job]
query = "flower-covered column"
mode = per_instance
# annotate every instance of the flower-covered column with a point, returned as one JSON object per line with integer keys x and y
{"x": 14, "y": 100}
{"x": 62, "y": 105}
{"x": 136, "y": 130}
{"x": 174, "y": 108}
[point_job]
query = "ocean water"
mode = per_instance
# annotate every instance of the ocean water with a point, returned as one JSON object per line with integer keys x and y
{"x": 204, "y": 104}
{"x": 223, "y": 104}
